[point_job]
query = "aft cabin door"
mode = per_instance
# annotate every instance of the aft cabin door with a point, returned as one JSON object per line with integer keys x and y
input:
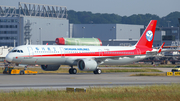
{"x": 138, "y": 51}
{"x": 31, "y": 53}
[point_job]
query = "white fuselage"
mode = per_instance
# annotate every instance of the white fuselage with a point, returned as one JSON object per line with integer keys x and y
{"x": 68, "y": 55}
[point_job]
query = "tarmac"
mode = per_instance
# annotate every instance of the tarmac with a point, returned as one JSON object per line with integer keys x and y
{"x": 59, "y": 81}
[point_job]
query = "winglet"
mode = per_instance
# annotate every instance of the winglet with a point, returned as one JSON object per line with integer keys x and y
{"x": 160, "y": 49}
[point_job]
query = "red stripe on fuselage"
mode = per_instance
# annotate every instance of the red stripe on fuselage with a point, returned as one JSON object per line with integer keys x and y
{"x": 103, "y": 53}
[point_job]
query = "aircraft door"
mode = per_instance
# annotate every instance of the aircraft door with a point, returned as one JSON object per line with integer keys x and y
{"x": 138, "y": 51}
{"x": 100, "y": 52}
{"x": 31, "y": 53}
{"x": 61, "y": 51}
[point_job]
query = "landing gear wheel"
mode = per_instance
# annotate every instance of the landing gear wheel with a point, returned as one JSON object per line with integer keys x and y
{"x": 21, "y": 72}
{"x": 94, "y": 72}
{"x": 97, "y": 71}
{"x": 72, "y": 71}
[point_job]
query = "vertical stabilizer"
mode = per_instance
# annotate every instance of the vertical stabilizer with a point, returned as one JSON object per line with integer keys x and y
{"x": 147, "y": 37}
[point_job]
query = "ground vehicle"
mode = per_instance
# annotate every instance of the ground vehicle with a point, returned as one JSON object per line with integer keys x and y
{"x": 176, "y": 69}
{"x": 11, "y": 70}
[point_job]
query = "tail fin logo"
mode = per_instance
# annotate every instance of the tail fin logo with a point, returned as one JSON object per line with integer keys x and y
{"x": 149, "y": 35}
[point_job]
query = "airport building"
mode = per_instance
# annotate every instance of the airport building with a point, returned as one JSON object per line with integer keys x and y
{"x": 32, "y": 24}
{"x": 171, "y": 36}
{"x": 109, "y": 34}
{"x": 114, "y": 34}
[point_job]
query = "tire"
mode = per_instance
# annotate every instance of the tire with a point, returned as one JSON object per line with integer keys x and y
{"x": 70, "y": 71}
{"x": 97, "y": 71}
{"x": 21, "y": 72}
{"x": 94, "y": 72}
{"x": 74, "y": 71}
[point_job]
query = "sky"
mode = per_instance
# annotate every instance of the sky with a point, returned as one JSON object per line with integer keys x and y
{"x": 120, "y": 7}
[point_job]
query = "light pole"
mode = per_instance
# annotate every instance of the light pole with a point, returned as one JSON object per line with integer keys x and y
{"x": 14, "y": 42}
{"x": 40, "y": 35}
{"x": 168, "y": 23}
{"x": 178, "y": 37}
{"x": 83, "y": 30}
{"x": 113, "y": 33}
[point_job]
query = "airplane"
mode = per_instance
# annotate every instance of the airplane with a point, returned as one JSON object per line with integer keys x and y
{"x": 87, "y": 58}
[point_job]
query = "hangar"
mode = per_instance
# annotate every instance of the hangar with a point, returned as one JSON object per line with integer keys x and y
{"x": 32, "y": 24}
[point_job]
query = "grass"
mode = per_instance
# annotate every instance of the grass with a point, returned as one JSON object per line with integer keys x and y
{"x": 130, "y": 93}
{"x": 66, "y": 70}
{"x": 141, "y": 65}
{"x": 149, "y": 74}
{"x": 129, "y": 70}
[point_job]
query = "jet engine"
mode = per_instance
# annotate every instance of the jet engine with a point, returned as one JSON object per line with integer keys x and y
{"x": 87, "y": 65}
{"x": 50, "y": 67}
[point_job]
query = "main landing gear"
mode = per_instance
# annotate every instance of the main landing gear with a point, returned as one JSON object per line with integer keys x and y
{"x": 72, "y": 70}
{"x": 97, "y": 71}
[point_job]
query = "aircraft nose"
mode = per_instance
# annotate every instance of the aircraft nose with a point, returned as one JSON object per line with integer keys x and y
{"x": 9, "y": 58}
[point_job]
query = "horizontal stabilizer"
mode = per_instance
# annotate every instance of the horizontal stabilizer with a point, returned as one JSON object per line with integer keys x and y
{"x": 160, "y": 49}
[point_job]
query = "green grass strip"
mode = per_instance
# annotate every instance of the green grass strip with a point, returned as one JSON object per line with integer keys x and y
{"x": 129, "y": 93}
{"x": 66, "y": 70}
{"x": 149, "y": 74}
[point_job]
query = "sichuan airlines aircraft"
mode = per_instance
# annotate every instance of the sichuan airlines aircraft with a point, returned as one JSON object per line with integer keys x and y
{"x": 87, "y": 58}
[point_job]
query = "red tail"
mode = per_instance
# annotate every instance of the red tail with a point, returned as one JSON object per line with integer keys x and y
{"x": 147, "y": 37}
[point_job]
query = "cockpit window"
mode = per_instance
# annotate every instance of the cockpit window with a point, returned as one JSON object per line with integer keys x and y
{"x": 14, "y": 50}
{"x": 19, "y": 51}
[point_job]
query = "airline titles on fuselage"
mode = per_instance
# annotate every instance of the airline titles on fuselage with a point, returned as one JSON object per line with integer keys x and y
{"x": 75, "y": 50}
{"x": 55, "y": 50}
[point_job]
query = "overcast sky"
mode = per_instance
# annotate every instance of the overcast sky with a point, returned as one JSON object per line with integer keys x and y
{"x": 120, "y": 7}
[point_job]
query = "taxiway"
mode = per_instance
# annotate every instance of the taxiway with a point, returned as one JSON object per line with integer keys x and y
{"x": 63, "y": 80}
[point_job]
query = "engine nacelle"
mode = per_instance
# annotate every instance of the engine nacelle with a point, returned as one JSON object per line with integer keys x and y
{"x": 50, "y": 67}
{"x": 87, "y": 65}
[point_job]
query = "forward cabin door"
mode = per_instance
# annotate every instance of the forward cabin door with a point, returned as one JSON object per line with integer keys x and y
{"x": 62, "y": 51}
{"x": 31, "y": 53}
{"x": 100, "y": 52}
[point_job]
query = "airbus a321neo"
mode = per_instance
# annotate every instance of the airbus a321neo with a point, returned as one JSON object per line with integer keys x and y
{"x": 87, "y": 58}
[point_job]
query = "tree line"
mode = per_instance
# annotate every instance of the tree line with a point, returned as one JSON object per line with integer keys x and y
{"x": 85, "y": 17}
